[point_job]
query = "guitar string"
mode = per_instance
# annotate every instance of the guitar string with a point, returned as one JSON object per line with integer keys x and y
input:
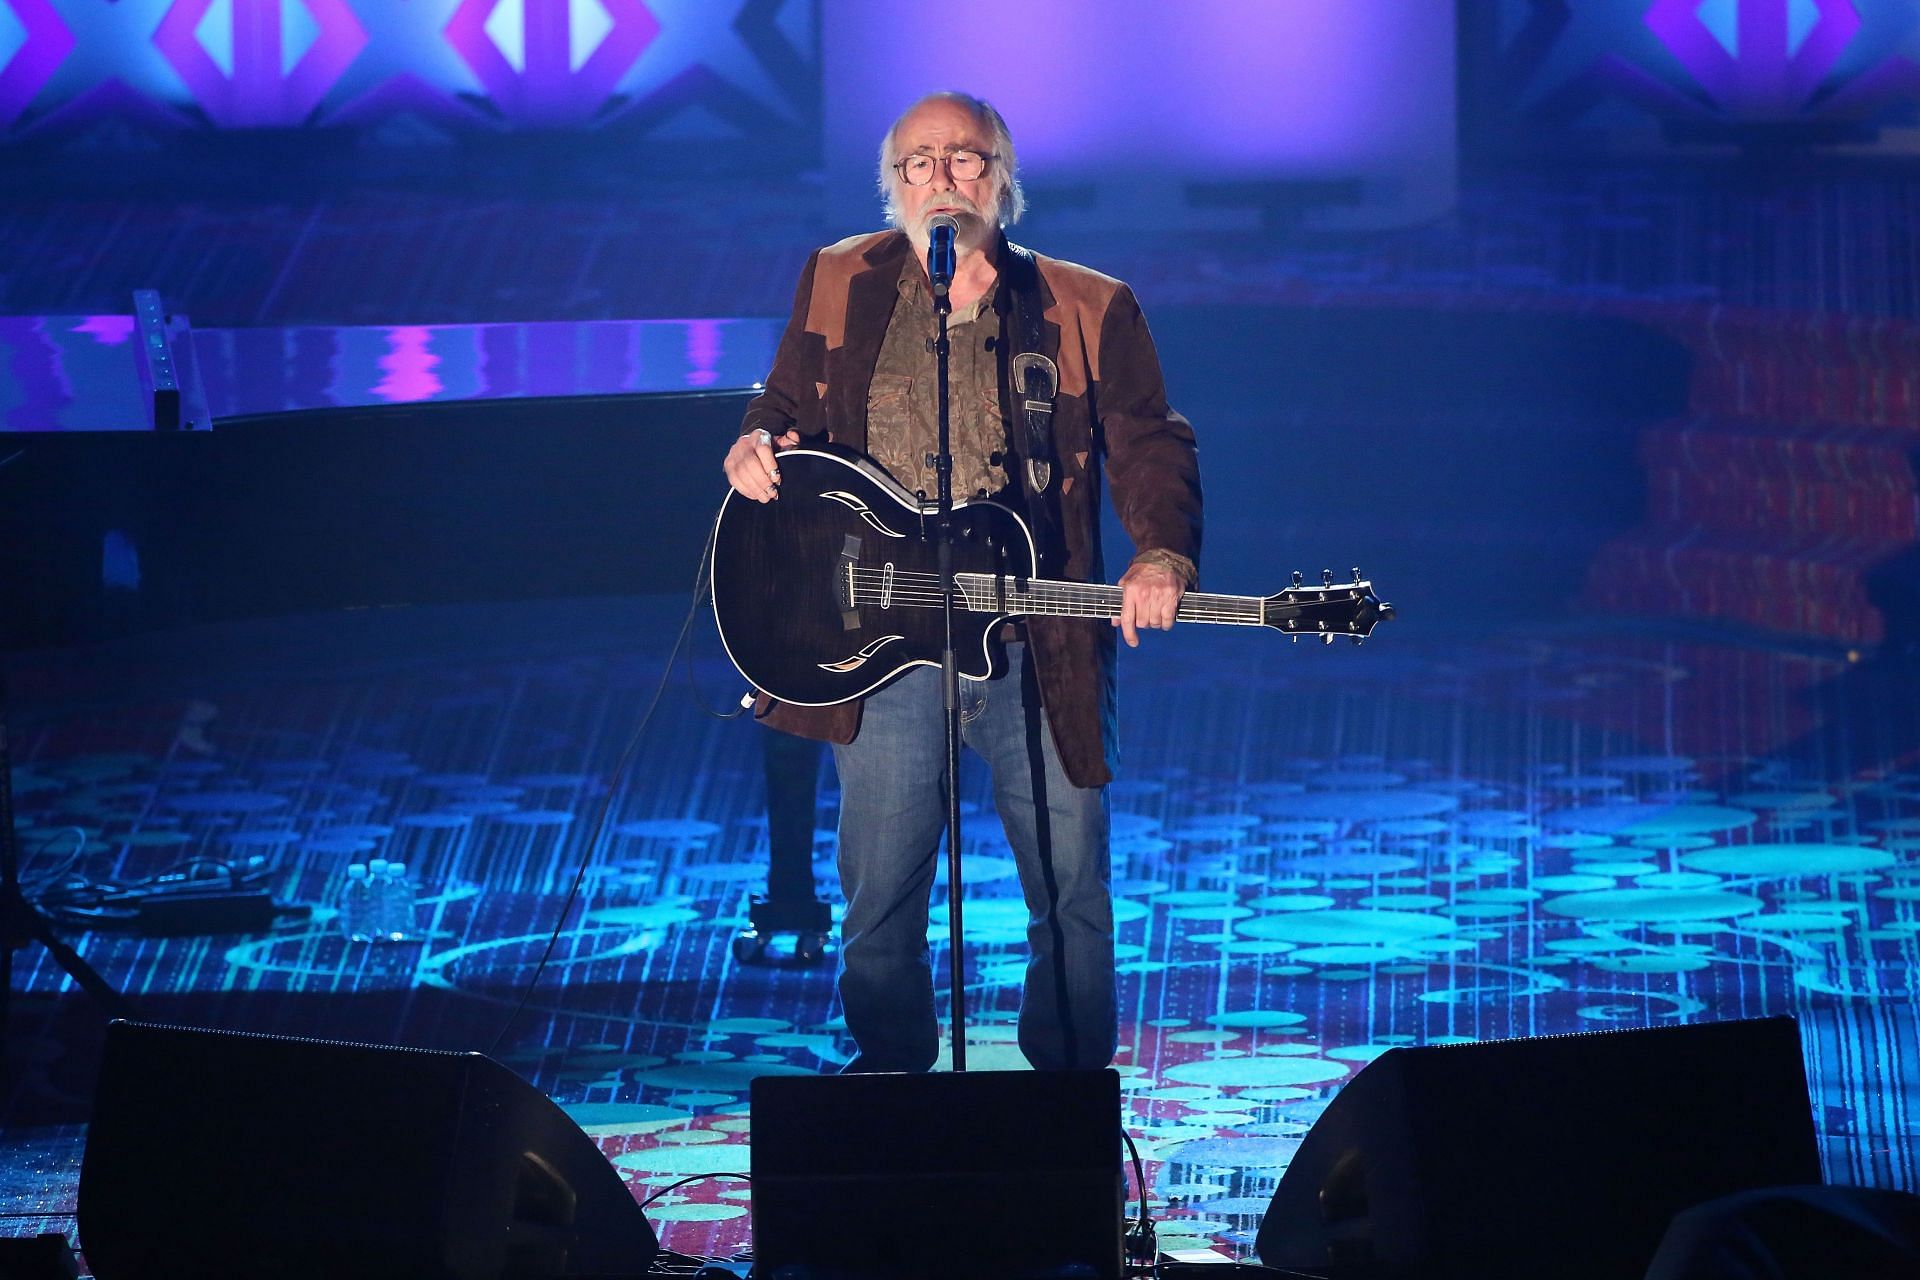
{"x": 1091, "y": 590}
{"x": 1183, "y": 616}
{"x": 869, "y": 593}
{"x": 915, "y": 577}
{"x": 927, "y": 576}
{"x": 1078, "y": 599}
{"x": 922, "y": 599}
{"x": 1087, "y": 592}
{"x": 987, "y": 603}
{"x": 875, "y": 584}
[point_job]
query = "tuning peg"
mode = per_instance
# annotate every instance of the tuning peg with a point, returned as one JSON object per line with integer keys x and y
{"x": 1357, "y": 640}
{"x": 1327, "y": 638}
{"x": 1294, "y": 638}
{"x": 1296, "y": 577}
{"x": 1326, "y": 577}
{"x": 1357, "y": 579}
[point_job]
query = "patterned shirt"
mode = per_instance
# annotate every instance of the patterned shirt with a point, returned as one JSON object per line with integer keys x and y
{"x": 903, "y": 402}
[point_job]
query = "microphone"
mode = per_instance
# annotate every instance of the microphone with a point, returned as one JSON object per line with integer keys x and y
{"x": 941, "y": 229}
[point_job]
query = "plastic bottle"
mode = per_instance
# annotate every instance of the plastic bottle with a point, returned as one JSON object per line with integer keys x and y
{"x": 377, "y": 899}
{"x": 356, "y": 904}
{"x": 397, "y": 920}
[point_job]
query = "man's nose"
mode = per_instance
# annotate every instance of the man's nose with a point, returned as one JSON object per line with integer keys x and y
{"x": 942, "y": 176}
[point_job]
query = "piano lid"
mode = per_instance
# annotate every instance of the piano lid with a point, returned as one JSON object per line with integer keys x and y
{"x": 70, "y": 373}
{"x": 81, "y": 373}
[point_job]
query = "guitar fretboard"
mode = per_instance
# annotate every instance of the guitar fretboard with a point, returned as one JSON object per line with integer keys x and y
{"x": 990, "y": 593}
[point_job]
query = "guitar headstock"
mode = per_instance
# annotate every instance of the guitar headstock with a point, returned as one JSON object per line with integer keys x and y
{"x": 1349, "y": 609}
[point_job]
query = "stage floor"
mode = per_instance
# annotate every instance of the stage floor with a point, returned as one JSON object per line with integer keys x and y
{"x": 1318, "y": 854}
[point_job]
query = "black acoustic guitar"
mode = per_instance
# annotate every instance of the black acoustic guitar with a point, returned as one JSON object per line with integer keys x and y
{"x": 831, "y": 591}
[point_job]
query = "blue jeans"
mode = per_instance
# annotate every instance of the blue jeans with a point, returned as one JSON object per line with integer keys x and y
{"x": 893, "y": 810}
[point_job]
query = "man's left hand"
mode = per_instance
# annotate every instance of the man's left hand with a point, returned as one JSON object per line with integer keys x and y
{"x": 1149, "y": 597}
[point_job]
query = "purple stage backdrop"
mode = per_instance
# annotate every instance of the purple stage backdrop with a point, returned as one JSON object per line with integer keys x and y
{"x": 1650, "y": 75}
{"x": 1139, "y": 98}
{"x": 684, "y": 70}
{"x": 1108, "y": 92}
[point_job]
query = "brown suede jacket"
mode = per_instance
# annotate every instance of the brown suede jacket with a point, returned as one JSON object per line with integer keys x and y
{"x": 1112, "y": 405}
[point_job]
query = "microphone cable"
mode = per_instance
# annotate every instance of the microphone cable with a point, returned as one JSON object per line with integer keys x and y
{"x": 702, "y": 585}
{"x": 1142, "y": 1246}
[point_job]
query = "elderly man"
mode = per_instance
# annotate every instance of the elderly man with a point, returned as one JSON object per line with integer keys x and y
{"x": 856, "y": 367}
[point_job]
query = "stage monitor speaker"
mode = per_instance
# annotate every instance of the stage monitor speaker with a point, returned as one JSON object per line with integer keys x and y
{"x": 46, "y": 1256}
{"x": 1795, "y": 1233}
{"x": 1009, "y": 1174}
{"x": 217, "y": 1154}
{"x": 1563, "y": 1156}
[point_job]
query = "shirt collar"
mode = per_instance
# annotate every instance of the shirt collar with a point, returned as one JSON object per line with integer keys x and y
{"x": 913, "y": 284}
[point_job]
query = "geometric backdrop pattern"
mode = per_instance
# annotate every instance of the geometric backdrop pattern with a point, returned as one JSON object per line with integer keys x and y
{"x": 681, "y": 68}
{"x": 1639, "y": 73}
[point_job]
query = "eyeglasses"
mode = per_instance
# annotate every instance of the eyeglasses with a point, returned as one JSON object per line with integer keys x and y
{"x": 962, "y": 166}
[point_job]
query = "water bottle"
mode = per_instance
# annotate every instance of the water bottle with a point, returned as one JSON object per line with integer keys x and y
{"x": 356, "y": 904}
{"x": 397, "y": 920}
{"x": 377, "y": 899}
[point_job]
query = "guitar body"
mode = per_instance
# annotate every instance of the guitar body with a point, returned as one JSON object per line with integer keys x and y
{"x": 834, "y": 589}
{"x": 822, "y": 596}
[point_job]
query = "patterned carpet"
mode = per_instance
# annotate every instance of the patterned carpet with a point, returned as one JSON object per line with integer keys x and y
{"x": 1318, "y": 854}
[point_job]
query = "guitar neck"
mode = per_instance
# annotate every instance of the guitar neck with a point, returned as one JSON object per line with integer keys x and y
{"x": 990, "y": 593}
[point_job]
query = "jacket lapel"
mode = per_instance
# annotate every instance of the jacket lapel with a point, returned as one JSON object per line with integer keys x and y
{"x": 1021, "y": 276}
{"x": 870, "y": 297}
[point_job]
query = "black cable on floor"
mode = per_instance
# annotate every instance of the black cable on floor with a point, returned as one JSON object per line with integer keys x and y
{"x": 598, "y": 829}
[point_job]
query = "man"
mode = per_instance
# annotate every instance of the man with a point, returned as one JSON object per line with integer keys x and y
{"x": 856, "y": 368}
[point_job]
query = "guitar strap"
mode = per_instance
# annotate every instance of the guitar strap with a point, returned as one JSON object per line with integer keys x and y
{"x": 1033, "y": 383}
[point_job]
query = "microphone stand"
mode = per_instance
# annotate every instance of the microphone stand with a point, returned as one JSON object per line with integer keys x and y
{"x": 949, "y": 668}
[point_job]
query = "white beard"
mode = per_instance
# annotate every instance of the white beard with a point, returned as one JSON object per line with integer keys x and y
{"x": 975, "y": 228}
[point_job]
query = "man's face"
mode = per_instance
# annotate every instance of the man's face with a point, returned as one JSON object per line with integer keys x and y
{"x": 938, "y": 129}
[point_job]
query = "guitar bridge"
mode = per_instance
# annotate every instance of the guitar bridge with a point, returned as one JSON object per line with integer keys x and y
{"x": 843, "y": 583}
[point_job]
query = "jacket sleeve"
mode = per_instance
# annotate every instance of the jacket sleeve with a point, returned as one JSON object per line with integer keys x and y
{"x": 1153, "y": 465}
{"x": 777, "y": 407}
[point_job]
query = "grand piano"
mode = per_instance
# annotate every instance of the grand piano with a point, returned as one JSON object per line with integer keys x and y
{"x": 154, "y": 475}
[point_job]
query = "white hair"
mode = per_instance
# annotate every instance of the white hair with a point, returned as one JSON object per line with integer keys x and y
{"x": 1004, "y": 169}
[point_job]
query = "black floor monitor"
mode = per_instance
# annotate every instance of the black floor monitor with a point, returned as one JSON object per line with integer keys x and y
{"x": 1009, "y": 1174}
{"x": 1562, "y": 1156}
{"x": 214, "y": 1154}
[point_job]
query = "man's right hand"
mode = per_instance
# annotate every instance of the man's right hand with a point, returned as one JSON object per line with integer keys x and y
{"x": 750, "y": 467}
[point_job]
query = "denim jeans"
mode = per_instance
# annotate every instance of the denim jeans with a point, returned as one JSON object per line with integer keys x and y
{"x": 892, "y": 818}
